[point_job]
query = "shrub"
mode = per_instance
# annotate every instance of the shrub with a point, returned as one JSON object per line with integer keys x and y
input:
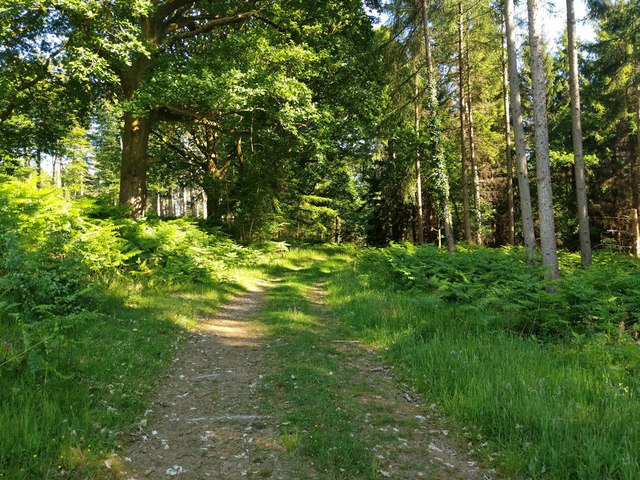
{"x": 506, "y": 290}
{"x": 180, "y": 250}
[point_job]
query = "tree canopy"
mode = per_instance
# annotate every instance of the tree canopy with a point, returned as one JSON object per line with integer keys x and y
{"x": 305, "y": 119}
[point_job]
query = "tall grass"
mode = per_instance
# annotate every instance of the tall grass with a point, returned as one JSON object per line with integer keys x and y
{"x": 90, "y": 312}
{"x": 69, "y": 420}
{"x": 555, "y": 409}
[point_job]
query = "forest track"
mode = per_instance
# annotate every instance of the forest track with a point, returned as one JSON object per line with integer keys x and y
{"x": 207, "y": 418}
{"x": 414, "y": 441}
{"x": 204, "y": 420}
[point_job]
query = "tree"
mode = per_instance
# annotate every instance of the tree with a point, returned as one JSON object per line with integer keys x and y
{"x": 435, "y": 137}
{"x": 610, "y": 102}
{"x": 462, "y": 112}
{"x": 548, "y": 244}
{"x": 516, "y": 116}
{"x": 576, "y": 130}
{"x": 511, "y": 230}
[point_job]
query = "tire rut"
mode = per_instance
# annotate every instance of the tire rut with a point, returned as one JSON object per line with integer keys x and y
{"x": 204, "y": 420}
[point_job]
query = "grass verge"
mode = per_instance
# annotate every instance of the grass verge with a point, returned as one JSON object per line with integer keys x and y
{"x": 543, "y": 411}
{"x": 64, "y": 419}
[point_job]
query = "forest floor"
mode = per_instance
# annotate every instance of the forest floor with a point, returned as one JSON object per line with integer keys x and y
{"x": 245, "y": 395}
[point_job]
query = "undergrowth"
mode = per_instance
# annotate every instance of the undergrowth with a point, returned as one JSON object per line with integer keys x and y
{"x": 91, "y": 311}
{"x": 546, "y": 382}
{"x": 502, "y": 289}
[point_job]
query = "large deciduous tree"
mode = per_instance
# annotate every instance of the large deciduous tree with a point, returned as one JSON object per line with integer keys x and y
{"x": 130, "y": 43}
{"x": 184, "y": 61}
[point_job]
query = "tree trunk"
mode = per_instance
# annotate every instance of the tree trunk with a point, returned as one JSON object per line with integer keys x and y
{"x": 439, "y": 167}
{"x": 472, "y": 154}
{"x": 39, "y": 168}
{"x": 518, "y": 130}
{"x": 576, "y": 132}
{"x": 466, "y": 214}
{"x": 184, "y": 202}
{"x": 419, "y": 219}
{"x": 545, "y": 197}
{"x": 635, "y": 162}
{"x": 57, "y": 169}
{"x": 511, "y": 229}
{"x": 427, "y": 42}
{"x": 448, "y": 227}
{"x": 133, "y": 173}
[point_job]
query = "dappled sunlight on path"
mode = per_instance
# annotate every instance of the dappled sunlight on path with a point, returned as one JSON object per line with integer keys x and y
{"x": 205, "y": 420}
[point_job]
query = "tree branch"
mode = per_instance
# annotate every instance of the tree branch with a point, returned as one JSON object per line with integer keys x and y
{"x": 207, "y": 27}
{"x": 171, "y": 6}
{"x": 11, "y": 106}
{"x": 184, "y": 153}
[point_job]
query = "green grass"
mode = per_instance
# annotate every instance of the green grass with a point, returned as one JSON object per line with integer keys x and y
{"x": 541, "y": 410}
{"x": 322, "y": 424}
{"x": 69, "y": 415}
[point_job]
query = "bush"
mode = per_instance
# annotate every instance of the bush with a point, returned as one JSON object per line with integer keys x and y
{"x": 180, "y": 250}
{"x": 55, "y": 260}
{"x": 500, "y": 285}
{"x": 50, "y": 253}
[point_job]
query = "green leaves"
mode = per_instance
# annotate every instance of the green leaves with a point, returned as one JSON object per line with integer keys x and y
{"x": 507, "y": 291}
{"x": 177, "y": 250}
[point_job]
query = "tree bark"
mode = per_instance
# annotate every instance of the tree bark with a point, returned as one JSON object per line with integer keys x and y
{"x": 511, "y": 229}
{"x": 472, "y": 154}
{"x": 545, "y": 196}
{"x": 427, "y": 42}
{"x": 39, "y": 168}
{"x": 133, "y": 172}
{"x": 576, "y": 132}
{"x": 466, "y": 214}
{"x": 518, "y": 129}
{"x": 635, "y": 163}
{"x": 419, "y": 219}
{"x": 57, "y": 168}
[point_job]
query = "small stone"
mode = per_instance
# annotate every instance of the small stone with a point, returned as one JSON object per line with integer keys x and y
{"x": 175, "y": 470}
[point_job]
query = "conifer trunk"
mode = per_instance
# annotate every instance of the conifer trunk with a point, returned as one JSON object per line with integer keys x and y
{"x": 635, "y": 163}
{"x": 545, "y": 197}
{"x": 466, "y": 214}
{"x": 576, "y": 131}
{"x": 511, "y": 230}
{"x": 472, "y": 154}
{"x": 518, "y": 130}
{"x": 419, "y": 219}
